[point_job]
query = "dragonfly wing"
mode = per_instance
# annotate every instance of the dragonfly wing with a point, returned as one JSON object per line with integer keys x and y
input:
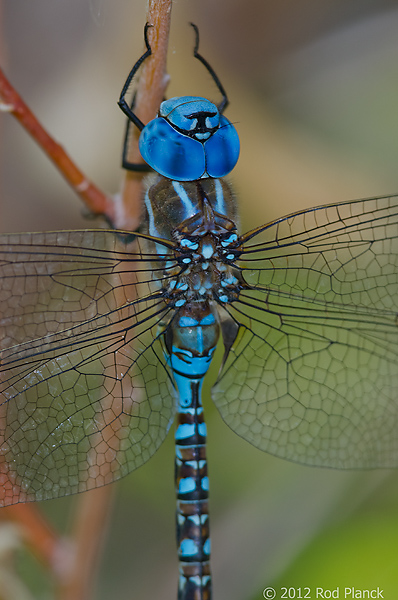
{"x": 312, "y": 375}
{"x": 86, "y": 396}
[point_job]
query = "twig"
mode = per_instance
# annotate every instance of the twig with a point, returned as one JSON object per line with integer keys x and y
{"x": 76, "y": 576}
{"x": 93, "y": 506}
{"x": 96, "y": 201}
{"x": 77, "y": 572}
{"x": 122, "y": 212}
{"x": 37, "y": 532}
{"x": 150, "y": 93}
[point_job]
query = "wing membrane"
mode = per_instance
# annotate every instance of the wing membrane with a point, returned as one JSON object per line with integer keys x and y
{"x": 313, "y": 373}
{"x": 86, "y": 394}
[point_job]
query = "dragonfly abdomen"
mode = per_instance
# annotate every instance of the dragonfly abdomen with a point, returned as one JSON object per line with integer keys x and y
{"x": 192, "y": 515}
{"x": 190, "y": 344}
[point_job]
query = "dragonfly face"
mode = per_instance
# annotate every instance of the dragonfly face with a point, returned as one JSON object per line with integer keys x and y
{"x": 193, "y": 116}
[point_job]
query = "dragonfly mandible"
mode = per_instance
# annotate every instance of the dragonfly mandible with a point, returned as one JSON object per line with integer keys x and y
{"x": 106, "y": 336}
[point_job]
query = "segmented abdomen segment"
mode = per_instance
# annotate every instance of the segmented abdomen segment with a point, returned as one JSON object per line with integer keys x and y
{"x": 192, "y": 488}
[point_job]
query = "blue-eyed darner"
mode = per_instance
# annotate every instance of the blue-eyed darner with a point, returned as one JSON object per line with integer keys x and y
{"x": 100, "y": 328}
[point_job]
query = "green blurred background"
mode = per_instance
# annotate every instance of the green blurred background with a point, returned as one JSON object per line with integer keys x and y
{"x": 314, "y": 95}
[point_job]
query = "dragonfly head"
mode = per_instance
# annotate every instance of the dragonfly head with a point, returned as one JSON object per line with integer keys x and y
{"x": 190, "y": 140}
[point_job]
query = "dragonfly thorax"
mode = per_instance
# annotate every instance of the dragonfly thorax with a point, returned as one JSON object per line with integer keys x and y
{"x": 201, "y": 218}
{"x": 178, "y": 210}
{"x": 204, "y": 280}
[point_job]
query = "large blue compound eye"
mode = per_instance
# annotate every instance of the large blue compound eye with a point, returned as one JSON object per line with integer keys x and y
{"x": 189, "y": 140}
{"x": 170, "y": 153}
{"x": 222, "y": 150}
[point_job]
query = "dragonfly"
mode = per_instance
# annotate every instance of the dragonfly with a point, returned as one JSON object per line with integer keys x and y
{"x": 107, "y": 336}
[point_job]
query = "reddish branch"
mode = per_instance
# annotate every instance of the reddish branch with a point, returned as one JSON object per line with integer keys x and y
{"x": 153, "y": 80}
{"x": 36, "y": 531}
{"x": 124, "y": 213}
{"x": 97, "y": 202}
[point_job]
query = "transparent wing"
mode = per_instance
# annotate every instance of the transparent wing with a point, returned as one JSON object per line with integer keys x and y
{"x": 313, "y": 373}
{"x": 86, "y": 396}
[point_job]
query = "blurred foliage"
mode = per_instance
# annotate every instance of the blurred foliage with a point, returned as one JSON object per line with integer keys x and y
{"x": 359, "y": 553}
